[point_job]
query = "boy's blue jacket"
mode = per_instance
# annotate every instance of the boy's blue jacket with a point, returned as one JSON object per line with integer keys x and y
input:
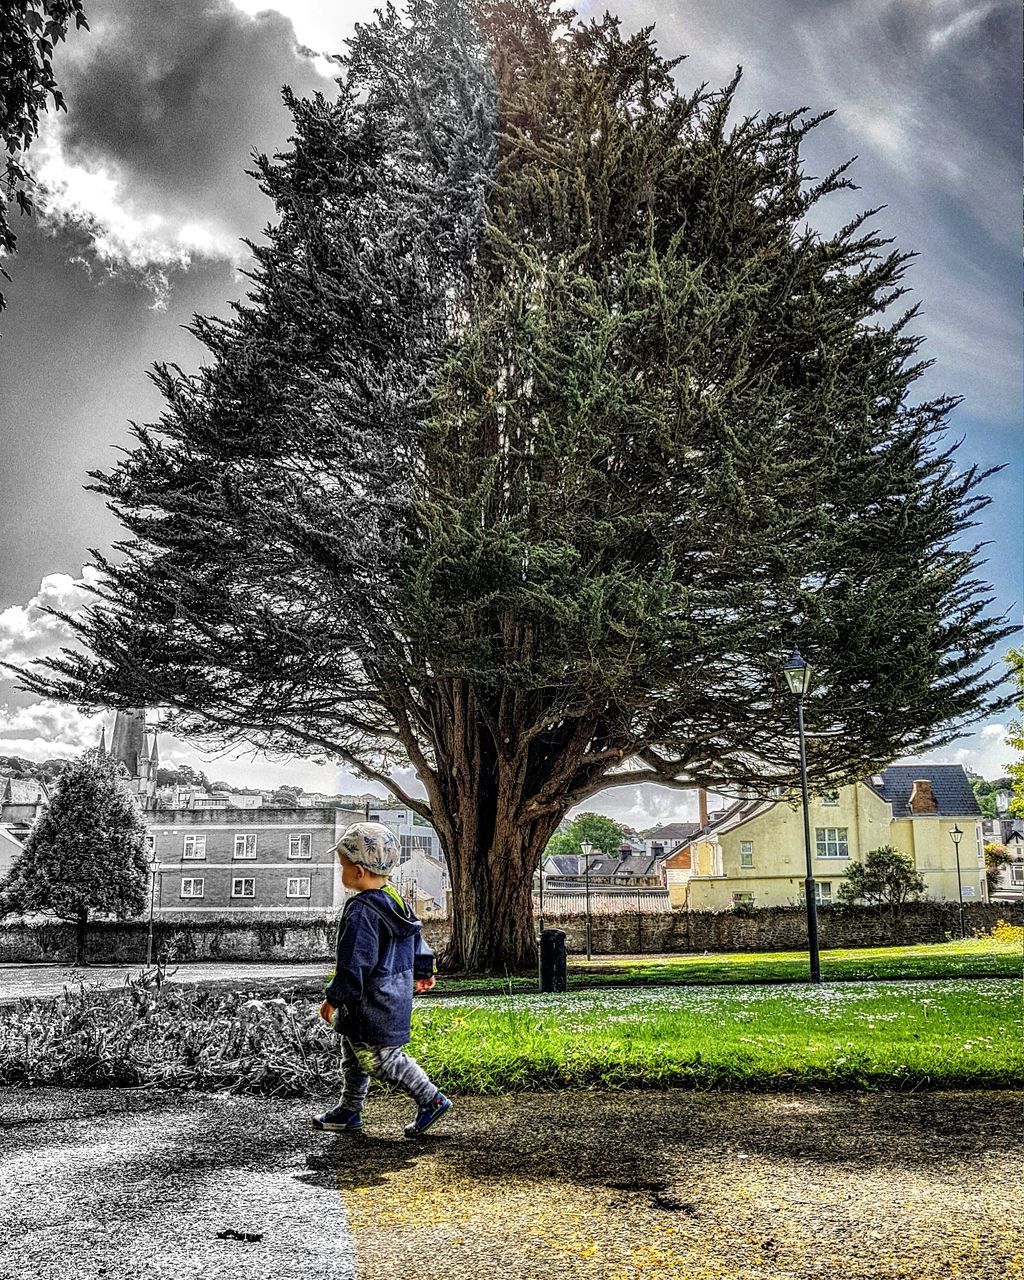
{"x": 380, "y": 952}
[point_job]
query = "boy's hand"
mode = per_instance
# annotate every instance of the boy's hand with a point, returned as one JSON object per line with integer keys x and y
{"x": 424, "y": 984}
{"x": 327, "y": 1011}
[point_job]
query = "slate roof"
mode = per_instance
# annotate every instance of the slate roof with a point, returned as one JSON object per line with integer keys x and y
{"x": 950, "y": 783}
{"x": 22, "y": 791}
{"x": 569, "y": 864}
{"x": 673, "y": 831}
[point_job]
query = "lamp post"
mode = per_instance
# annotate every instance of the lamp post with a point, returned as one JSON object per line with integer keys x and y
{"x": 798, "y": 677}
{"x": 540, "y": 924}
{"x": 152, "y": 890}
{"x": 956, "y": 835}
{"x": 588, "y": 852}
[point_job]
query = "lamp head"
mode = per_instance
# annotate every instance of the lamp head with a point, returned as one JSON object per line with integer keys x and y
{"x": 956, "y": 835}
{"x": 797, "y": 673}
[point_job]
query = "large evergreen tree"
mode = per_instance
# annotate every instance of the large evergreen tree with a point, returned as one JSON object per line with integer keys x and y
{"x": 549, "y": 425}
{"x": 85, "y": 853}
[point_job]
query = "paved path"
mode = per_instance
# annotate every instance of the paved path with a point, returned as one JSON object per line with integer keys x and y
{"x": 672, "y": 1185}
{"x": 132, "y": 1185}
{"x": 21, "y": 980}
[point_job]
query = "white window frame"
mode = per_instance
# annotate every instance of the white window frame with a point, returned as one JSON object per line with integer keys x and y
{"x": 832, "y": 842}
{"x": 830, "y": 799}
{"x": 742, "y": 899}
{"x": 1017, "y": 872}
{"x": 746, "y": 855}
{"x": 243, "y": 881}
{"x": 295, "y": 842}
{"x": 150, "y": 844}
{"x": 244, "y": 838}
{"x": 192, "y": 881}
{"x": 194, "y": 848}
{"x": 294, "y": 887}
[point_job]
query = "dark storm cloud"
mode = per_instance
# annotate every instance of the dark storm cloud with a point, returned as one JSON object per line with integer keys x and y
{"x": 170, "y": 99}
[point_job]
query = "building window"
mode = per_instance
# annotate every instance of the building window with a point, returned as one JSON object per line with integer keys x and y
{"x": 195, "y": 847}
{"x": 300, "y": 846}
{"x": 746, "y": 853}
{"x": 822, "y": 892}
{"x": 150, "y": 845}
{"x": 742, "y": 899}
{"x": 192, "y": 887}
{"x": 243, "y": 888}
{"x": 832, "y": 842}
{"x": 298, "y": 887}
{"x": 1017, "y": 873}
{"x": 245, "y": 846}
{"x": 830, "y": 799}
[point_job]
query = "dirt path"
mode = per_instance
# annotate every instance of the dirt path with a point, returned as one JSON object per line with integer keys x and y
{"x": 677, "y": 1185}
{"x": 105, "y": 1184}
{"x": 687, "y": 1186}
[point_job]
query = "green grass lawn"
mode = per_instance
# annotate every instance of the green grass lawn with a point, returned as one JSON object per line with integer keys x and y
{"x": 973, "y": 958}
{"x": 948, "y": 1033}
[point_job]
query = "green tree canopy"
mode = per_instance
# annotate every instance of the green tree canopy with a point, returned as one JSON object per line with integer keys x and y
{"x": 605, "y": 834}
{"x": 886, "y": 878}
{"x": 85, "y": 853}
{"x": 548, "y": 426}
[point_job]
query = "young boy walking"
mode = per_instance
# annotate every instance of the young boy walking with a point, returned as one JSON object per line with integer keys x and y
{"x": 382, "y": 959}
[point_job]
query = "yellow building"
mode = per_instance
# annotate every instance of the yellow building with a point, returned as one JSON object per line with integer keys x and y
{"x": 753, "y": 852}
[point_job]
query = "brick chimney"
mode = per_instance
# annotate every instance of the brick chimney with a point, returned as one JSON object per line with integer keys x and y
{"x": 702, "y": 804}
{"x": 922, "y": 797}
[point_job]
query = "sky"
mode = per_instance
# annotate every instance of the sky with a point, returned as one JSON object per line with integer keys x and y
{"x": 145, "y": 207}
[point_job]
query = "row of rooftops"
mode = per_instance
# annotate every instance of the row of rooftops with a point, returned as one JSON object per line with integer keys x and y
{"x": 937, "y": 790}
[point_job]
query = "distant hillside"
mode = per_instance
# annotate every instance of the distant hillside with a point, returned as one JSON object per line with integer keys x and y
{"x": 31, "y": 770}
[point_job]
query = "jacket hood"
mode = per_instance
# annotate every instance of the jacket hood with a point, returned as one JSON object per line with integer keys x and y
{"x": 395, "y": 914}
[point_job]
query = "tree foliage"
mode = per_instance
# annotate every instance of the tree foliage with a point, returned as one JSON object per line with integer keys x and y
{"x": 548, "y": 426}
{"x": 997, "y": 856}
{"x": 86, "y": 852}
{"x": 886, "y": 878}
{"x": 605, "y": 834}
{"x": 30, "y": 31}
{"x": 985, "y": 793}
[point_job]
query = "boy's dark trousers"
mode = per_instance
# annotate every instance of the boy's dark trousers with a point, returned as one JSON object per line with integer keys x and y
{"x": 388, "y": 1063}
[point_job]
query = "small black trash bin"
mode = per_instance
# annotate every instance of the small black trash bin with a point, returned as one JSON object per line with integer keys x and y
{"x": 552, "y": 960}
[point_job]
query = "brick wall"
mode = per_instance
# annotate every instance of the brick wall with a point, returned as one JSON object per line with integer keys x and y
{"x": 764, "y": 929}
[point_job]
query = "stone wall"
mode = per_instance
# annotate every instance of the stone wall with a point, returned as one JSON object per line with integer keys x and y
{"x": 762, "y": 929}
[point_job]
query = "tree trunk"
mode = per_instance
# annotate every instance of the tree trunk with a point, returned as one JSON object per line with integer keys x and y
{"x": 477, "y": 799}
{"x": 80, "y": 926}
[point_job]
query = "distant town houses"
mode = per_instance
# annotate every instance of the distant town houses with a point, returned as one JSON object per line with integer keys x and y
{"x": 219, "y": 850}
{"x": 753, "y": 851}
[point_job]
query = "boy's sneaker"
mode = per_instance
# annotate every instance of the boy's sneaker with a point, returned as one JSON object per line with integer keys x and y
{"x": 427, "y": 1115}
{"x": 338, "y": 1120}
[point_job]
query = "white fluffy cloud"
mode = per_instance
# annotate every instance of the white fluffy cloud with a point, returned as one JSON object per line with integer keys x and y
{"x": 27, "y": 631}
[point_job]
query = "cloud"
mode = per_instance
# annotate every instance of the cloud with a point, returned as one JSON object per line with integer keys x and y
{"x": 45, "y": 730}
{"x": 165, "y": 103}
{"x": 28, "y": 632}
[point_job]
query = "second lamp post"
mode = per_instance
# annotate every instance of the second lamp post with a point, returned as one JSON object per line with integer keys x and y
{"x": 588, "y": 852}
{"x": 798, "y": 677}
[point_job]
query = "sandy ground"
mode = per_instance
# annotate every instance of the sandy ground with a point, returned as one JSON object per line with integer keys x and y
{"x": 132, "y": 1184}
{"x": 689, "y": 1186}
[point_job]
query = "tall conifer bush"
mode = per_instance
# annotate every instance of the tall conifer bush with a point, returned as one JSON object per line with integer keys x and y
{"x": 85, "y": 853}
{"x": 547, "y": 427}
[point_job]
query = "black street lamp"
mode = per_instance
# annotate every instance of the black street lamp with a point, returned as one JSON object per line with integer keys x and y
{"x": 798, "y": 677}
{"x": 153, "y": 864}
{"x": 956, "y": 835}
{"x": 588, "y": 852}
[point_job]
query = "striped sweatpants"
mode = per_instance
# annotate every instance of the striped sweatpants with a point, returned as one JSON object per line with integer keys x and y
{"x": 388, "y": 1063}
